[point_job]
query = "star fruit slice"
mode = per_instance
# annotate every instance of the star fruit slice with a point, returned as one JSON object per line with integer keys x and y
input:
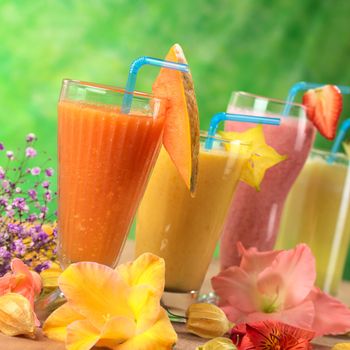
{"x": 261, "y": 156}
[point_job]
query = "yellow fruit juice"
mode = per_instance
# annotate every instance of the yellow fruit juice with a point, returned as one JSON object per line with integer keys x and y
{"x": 317, "y": 212}
{"x": 183, "y": 229}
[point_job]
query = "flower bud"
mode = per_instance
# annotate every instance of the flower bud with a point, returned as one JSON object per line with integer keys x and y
{"x": 218, "y": 344}
{"x": 16, "y": 315}
{"x": 207, "y": 320}
{"x": 341, "y": 346}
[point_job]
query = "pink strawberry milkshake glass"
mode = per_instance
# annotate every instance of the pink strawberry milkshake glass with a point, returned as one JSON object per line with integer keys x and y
{"x": 254, "y": 217}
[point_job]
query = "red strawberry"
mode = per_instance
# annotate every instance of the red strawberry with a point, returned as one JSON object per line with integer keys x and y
{"x": 324, "y": 106}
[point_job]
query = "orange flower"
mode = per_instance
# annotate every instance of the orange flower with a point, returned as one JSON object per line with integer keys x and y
{"x": 21, "y": 281}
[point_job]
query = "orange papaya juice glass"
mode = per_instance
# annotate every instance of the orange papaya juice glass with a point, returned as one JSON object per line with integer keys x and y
{"x": 105, "y": 158}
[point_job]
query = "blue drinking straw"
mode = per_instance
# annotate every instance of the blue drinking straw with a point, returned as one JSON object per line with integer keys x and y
{"x": 303, "y": 86}
{"x": 222, "y": 116}
{"x": 135, "y": 67}
{"x": 344, "y": 127}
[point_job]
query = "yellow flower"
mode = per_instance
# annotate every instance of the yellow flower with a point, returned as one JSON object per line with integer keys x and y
{"x": 261, "y": 158}
{"x": 119, "y": 309}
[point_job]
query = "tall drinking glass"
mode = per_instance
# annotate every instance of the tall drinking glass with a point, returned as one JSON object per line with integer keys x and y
{"x": 184, "y": 229}
{"x": 105, "y": 158}
{"x": 254, "y": 217}
{"x": 317, "y": 212}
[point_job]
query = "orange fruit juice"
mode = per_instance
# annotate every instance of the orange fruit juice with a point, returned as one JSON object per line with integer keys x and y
{"x": 104, "y": 161}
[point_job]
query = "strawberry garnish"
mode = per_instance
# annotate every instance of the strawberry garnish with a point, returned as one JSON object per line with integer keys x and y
{"x": 324, "y": 106}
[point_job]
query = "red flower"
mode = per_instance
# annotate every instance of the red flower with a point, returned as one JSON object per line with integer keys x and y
{"x": 271, "y": 335}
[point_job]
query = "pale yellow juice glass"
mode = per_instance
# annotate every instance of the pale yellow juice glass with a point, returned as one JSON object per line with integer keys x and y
{"x": 183, "y": 229}
{"x": 317, "y": 212}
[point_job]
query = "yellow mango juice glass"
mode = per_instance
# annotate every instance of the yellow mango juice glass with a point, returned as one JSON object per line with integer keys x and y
{"x": 184, "y": 229}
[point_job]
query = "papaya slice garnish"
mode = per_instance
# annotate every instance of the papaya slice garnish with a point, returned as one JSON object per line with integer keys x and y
{"x": 181, "y": 132}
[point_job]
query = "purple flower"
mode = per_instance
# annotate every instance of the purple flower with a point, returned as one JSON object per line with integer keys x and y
{"x": 5, "y": 184}
{"x": 30, "y": 152}
{"x": 23, "y": 203}
{"x": 3, "y": 201}
{"x": 33, "y": 194}
{"x": 20, "y": 204}
{"x": 46, "y": 184}
{"x": 31, "y": 137}
{"x": 4, "y": 253}
{"x": 32, "y": 217}
{"x": 10, "y": 213}
{"x": 47, "y": 195}
{"x": 42, "y": 236}
{"x": 19, "y": 247}
{"x": 10, "y": 155}
{"x": 35, "y": 171}
{"x": 43, "y": 266}
{"x": 49, "y": 172}
{"x": 14, "y": 228}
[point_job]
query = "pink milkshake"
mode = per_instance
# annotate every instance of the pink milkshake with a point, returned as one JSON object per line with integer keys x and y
{"x": 254, "y": 217}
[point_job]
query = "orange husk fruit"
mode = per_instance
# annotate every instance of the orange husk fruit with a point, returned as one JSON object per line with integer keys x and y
{"x": 181, "y": 131}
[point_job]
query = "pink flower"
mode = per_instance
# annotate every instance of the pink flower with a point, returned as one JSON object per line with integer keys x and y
{"x": 30, "y": 152}
{"x": 271, "y": 335}
{"x": 279, "y": 285}
{"x": 21, "y": 281}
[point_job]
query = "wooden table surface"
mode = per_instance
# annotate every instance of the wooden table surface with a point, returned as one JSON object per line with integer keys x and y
{"x": 186, "y": 340}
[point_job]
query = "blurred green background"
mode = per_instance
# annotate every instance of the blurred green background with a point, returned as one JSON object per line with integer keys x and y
{"x": 260, "y": 46}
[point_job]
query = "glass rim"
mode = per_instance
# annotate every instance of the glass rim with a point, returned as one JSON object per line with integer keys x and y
{"x": 113, "y": 89}
{"x": 272, "y": 99}
{"x": 325, "y": 154}
{"x": 220, "y": 138}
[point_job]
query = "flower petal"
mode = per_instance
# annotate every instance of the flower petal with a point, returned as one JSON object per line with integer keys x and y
{"x": 81, "y": 335}
{"x": 230, "y": 311}
{"x": 331, "y": 316}
{"x": 117, "y": 330}
{"x": 144, "y": 302}
{"x": 55, "y": 325}
{"x": 290, "y": 277}
{"x": 147, "y": 269}
{"x": 5, "y": 283}
{"x": 37, "y": 282}
{"x": 237, "y": 288}
{"x": 272, "y": 335}
{"x": 95, "y": 291}
{"x": 24, "y": 282}
{"x": 160, "y": 336}
{"x": 254, "y": 261}
{"x": 300, "y": 316}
